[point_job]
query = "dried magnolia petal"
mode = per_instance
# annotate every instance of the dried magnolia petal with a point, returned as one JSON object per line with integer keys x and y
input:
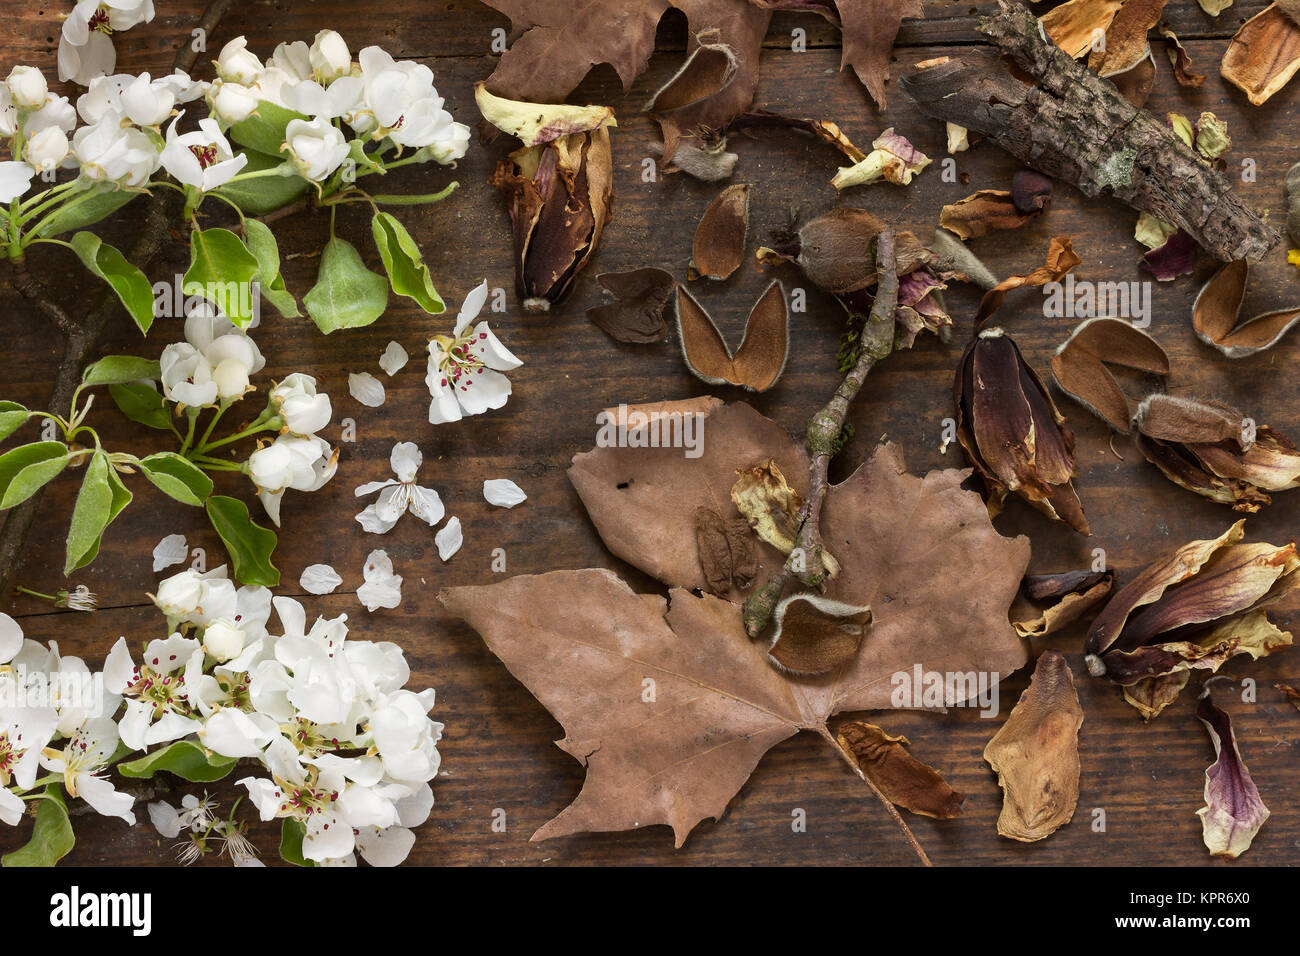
{"x": 1076, "y": 25}
{"x": 771, "y": 507}
{"x": 1061, "y": 259}
{"x": 1079, "y": 366}
{"x": 1176, "y": 257}
{"x": 902, "y": 779}
{"x": 1233, "y": 811}
{"x": 1125, "y": 39}
{"x": 534, "y": 124}
{"x": 1036, "y": 754}
{"x": 720, "y": 237}
{"x": 759, "y": 361}
{"x": 726, "y": 549}
{"x": 1264, "y": 54}
{"x": 1217, "y": 309}
{"x": 637, "y": 314}
{"x": 1214, "y": 7}
{"x": 1074, "y": 593}
{"x": 958, "y": 138}
{"x": 1180, "y": 61}
{"x": 989, "y": 210}
{"x": 892, "y": 158}
{"x": 814, "y": 635}
{"x": 823, "y": 129}
{"x": 1151, "y": 695}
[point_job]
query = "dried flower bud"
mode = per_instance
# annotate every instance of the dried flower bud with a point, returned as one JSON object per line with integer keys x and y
{"x": 1031, "y": 191}
{"x": 1012, "y": 432}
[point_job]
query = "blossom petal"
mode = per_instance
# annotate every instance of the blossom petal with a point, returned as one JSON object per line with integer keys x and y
{"x": 426, "y": 504}
{"x": 471, "y": 307}
{"x": 319, "y": 579}
{"x": 405, "y": 460}
{"x": 449, "y": 539}
{"x": 503, "y": 492}
{"x": 485, "y": 390}
{"x": 366, "y": 389}
{"x": 394, "y": 358}
{"x": 171, "y": 550}
{"x": 487, "y": 348}
{"x": 370, "y": 520}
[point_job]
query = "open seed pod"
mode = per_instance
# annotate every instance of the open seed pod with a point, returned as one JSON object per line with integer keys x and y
{"x": 1217, "y": 309}
{"x": 814, "y": 635}
{"x": 1079, "y": 366}
{"x": 759, "y": 361}
{"x": 720, "y": 237}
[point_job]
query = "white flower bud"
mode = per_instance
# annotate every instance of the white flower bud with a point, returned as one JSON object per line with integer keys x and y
{"x": 316, "y": 147}
{"x": 223, "y": 641}
{"x": 236, "y": 64}
{"x": 28, "y": 88}
{"x": 330, "y": 57}
{"x": 231, "y": 102}
{"x": 304, "y": 411}
{"x": 179, "y": 595}
{"x": 231, "y": 378}
{"x": 47, "y": 149}
{"x": 271, "y": 468}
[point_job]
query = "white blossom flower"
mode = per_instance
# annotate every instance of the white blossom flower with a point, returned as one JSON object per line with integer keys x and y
{"x": 319, "y": 579}
{"x": 201, "y": 158}
{"x": 300, "y": 462}
{"x": 329, "y": 57}
{"x": 85, "y": 44}
{"x": 236, "y": 63}
{"x": 108, "y": 152}
{"x": 340, "y": 98}
{"x": 503, "y": 493}
{"x": 382, "y": 587}
{"x": 15, "y": 179}
{"x": 464, "y": 371}
{"x": 449, "y": 539}
{"x": 47, "y": 150}
{"x": 366, "y": 389}
{"x": 171, "y": 550}
{"x": 230, "y": 102}
{"x": 80, "y": 598}
{"x": 158, "y": 708}
{"x": 195, "y": 814}
{"x": 27, "y": 87}
{"x": 400, "y": 103}
{"x": 316, "y": 147}
{"x": 399, "y": 495}
{"x": 146, "y": 101}
{"x": 215, "y": 361}
{"x": 88, "y": 751}
{"x": 197, "y": 597}
{"x": 394, "y": 358}
{"x": 8, "y": 113}
{"x": 305, "y": 410}
{"x": 293, "y": 59}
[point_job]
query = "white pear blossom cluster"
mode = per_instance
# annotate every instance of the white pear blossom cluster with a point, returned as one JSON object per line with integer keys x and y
{"x": 86, "y": 48}
{"x": 213, "y": 364}
{"x": 376, "y": 97}
{"x": 298, "y": 458}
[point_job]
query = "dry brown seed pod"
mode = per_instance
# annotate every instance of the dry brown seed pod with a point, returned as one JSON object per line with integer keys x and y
{"x": 720, "y": 237}
{"x": 1079, "y": 366}
{"x": 1217, "y": 308}
{"x": 815, "y": 635}
{"x": 728, "y": 557}
{"x": 905, "y": 781}
{"x": 759, "y": 361}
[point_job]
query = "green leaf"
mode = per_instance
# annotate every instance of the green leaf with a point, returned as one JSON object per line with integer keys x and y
{"x": 142, "y": 404}
{"x": 405, "y": 266}
{"x": 12, "y": 416}
{"x": 184, "y": 758}
{"x": 28, "y": 468}
{"x": 101, "y": 499}
{"x": 101, "y": 201}
{"x": 177, "y": 477}
{"x": 417, "y": 200}
{"x": 263, "y": 194}
{"x": 52, "y": 837}
{"x": 222, "y": 270}
{"x": 120, "y": 369}
{"x": 291, "y": 835}
{"x": 130, "y": 284}
{"x": 249, "y": 545}
{"x": 261, "y": 243}
{"x": 264, "y": 130}
{"x": 346, "y": 295}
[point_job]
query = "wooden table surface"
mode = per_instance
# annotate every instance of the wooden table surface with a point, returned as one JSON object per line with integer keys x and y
{"x": 497, "y": 750}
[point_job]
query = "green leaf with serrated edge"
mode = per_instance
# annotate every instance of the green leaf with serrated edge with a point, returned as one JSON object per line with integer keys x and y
{"x": 101, "y": 499}
{"x": 416, "y": 200}
{"x": 222, "y": 270}
{"x": 261, "y": 243}
{"x": 291, "y": 837}
{"x": 177, "y": 477}
{"x": 131, "y": 285}
{"x": 264, "y": 130}
{"x": 346, "y": 295}
{"x": 84, "y": 207}
{"x": 12, "y": 416}
{"x": 263, "y": 194}
{"x": 120, "y": 369}
{"x": 249, "y": 545}
{"x": 183, "y": 758}
{"x": 28, "y": 468}
{"x": 142, "y": 404}
{"x": 52, "y": 836}
{"x": 404, "y": 264}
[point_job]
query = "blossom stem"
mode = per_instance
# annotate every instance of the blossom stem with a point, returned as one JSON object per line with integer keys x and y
{"x": 36, "y": 594}
{"x": 212, "y": 423}
{"x": 263, "y": 424}
{"x": 193, "y": 415}
{"x": 42, "y": 198}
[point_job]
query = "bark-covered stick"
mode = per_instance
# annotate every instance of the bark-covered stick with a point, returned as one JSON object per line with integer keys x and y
{"x": 1075, "y": 126}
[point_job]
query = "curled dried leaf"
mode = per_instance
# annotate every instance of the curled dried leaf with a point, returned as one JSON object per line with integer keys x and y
{"x": 1036, "y": 754}
{"x": 759, "y": 361}
{"x": 905, "y": 781}
{"x": 1072, "y": 593}
{"x": 813, "y": 635}
{"x": 533, "y": 123}
{"x": 1125, "y": 40}
{"x": 637, "y": 314}
{"x": 1217, "y": 309}
{"x": 824, "y": 130}
{"x": 1079, "y": 366}
{"x": 892, "y": 158}
{"x": 982, "y": 212}
{"x": 1180, "y": 60}
{"x": 772, "y": 508}
{"x": 1075, "y": 26}
{"x": 1151, "y": 695}
{"x": 720, "y": 237}
{"x": 726, "y": 548}
{"x": 1290, "y": 693}
{"x": 1061, "y": 259}
{"x": 1233, "y": 811}
{"x": 1263, "y": 55}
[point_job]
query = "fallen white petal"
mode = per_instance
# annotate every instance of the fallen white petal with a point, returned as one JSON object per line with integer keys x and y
{"x": 503, "y": 492}
{"x": 172, "y": 549}
{"x": 383, "y": 588}
{"x": 319, "y": 579}
{"x": 449, "y": 539}
{"x": 394, "y": 359}
{"x": 366, "y": 389}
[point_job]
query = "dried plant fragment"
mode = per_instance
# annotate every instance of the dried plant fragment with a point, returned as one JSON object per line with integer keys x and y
{"x": 1193, "y": 610}
{"x": 1031, "y": 191}
{"x": 1061, "y": 259}
{"x": 1151, "y": 695}
{"x": 1217, "y": 309}
{"x": 559, "y": 194}
{"x": 905, "y": 781}
{"x": 1073, "y": 594}
{"x": 726, "y": 548}
{"x": 967, "y": 266}
{"x": 812, "y": 635}
{"x": 989, "y": 210}
{"x": 892, "y": 158}
{"x": 1290, "y": 693}
{"x": 772, "y": 508}
{"x": 1079, "y": 366}
{"x": 1215, "y": 451}
{"x": 534, "y": 125}
{"x": 1181, "y": 61}
{"x": 720, "y": 237}
{"x": 1076, "y": 26}
{"x": 1036, "y": 754}
{"x": 637, "y": 314}
{"x": 1175, "y": 257}
{"x": 759, "y": 361}
{"x": 1125, "y": 40}
{"x": 1264, "y": 54}
{"x": 1135, "y": 83}
{"x": 1293, "y": 203}
{"x": 1233, "y": 811}
{"x": 1214, "y": 7}
{"x": 1012, "y": 432}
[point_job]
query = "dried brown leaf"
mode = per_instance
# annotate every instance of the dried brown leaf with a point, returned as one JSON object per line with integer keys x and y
{"x": 1233, "y": 811}
{"x": 905, "y": 781}
{"x": 1073, "y": 593}
{"x": 1126, "y": 37}
{"x": 1151, "y": 695}
{"x": 1181, "y": 61}
{"x": 1290, "y": 693}
{"x": 637, "y": 314}
{"x": 720, "y": 237}
{"x": 1061, "y": 259}
{"x": 1264, "y": 54}
{"x": 1075, "y": 26}
{"x": 982, "y": 212}
{"x": 760, "y": 359}
{"x": 1079, "y": 366}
